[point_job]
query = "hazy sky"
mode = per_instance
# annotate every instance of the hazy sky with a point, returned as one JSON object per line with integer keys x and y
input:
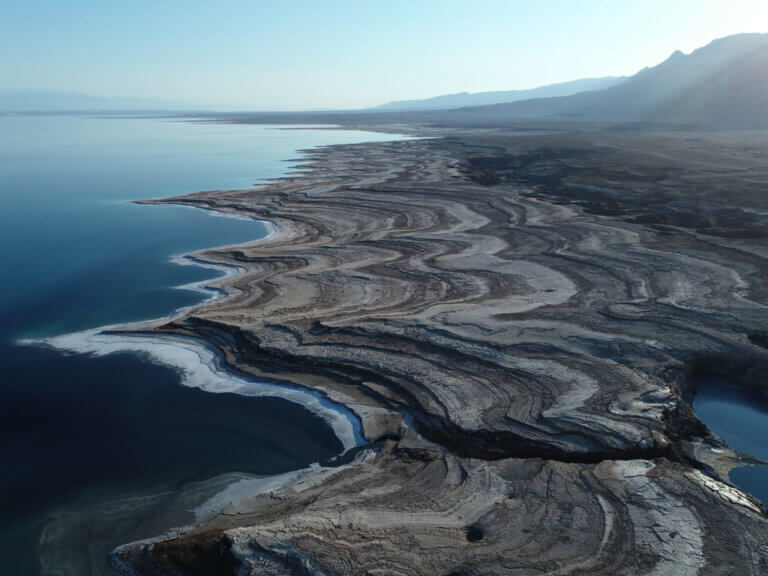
{"x": 289, "y": 54}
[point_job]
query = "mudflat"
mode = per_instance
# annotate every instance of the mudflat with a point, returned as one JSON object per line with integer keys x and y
{"x": 515, "y": 315}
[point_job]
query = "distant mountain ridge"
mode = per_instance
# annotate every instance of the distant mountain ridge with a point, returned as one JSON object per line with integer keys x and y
{"x": 66, "y": 101}
{"x": 464, "y": 99}
{"x": 723, "y": 84}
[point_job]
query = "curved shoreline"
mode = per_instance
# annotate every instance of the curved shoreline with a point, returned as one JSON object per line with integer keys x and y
{"x": 194, "y": 359}
{"x": 199, "y": 359}
{"x": 199, "y": 366}
{"x": 520, "y": 355}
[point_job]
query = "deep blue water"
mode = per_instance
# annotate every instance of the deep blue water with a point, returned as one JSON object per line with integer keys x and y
{"x": 740, "y": 417}
{"x": 78, "y": 431}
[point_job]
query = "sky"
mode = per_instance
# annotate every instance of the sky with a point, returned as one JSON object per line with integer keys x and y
{"x": 339, "y": 54}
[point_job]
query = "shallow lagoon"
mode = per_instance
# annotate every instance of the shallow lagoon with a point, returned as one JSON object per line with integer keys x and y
{"x": 740, "y": 417}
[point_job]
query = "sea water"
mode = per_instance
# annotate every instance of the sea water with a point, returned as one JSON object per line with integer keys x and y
{"x": 740, "y": 417}
{"x": 95, "y": 450}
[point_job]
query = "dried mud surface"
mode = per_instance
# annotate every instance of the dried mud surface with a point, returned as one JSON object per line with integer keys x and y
{"x": 515, "y": 316}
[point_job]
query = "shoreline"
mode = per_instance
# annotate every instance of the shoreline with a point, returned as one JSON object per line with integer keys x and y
{"x": 200, "y": 367}
{"x": 422, "y": 286}
{"x": 424, "y": 277}
{"x": 233, "y": 494}
{"x": 199, "y": 364}
{"x": 202, "y": 360}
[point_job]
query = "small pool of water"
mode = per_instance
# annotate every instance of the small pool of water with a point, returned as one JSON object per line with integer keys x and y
{"x": 740, "y": 417}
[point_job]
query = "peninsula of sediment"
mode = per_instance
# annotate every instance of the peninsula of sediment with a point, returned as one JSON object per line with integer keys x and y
{"x": 516, "y": 316}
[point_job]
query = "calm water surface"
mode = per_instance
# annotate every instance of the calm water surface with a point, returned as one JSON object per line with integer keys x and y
{"x": 740, "y": 417}
{"x": 79, "y": 433}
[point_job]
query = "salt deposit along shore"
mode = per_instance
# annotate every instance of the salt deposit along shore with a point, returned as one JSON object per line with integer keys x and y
{"x": 198, "y": 365}
{"x": 515, "y": 317}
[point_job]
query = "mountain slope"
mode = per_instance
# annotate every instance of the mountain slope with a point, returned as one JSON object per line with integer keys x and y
{"x": 498, "y": 97}
{"x": 722, "y": 84}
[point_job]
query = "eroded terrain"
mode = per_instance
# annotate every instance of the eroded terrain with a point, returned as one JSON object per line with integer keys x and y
{"x": 515, "y": 317}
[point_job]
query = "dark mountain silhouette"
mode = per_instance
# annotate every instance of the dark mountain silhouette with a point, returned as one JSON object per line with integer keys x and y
{"x": 724, "y": 84}
{"x": 464, "y": 99}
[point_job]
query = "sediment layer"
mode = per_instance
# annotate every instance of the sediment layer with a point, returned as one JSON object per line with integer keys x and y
{"x": 514, "y": 317}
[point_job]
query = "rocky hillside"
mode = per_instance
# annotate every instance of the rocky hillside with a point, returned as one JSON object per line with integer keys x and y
{"x": 724, "y": 84}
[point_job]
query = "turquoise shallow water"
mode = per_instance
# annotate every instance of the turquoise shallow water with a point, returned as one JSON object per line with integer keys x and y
{"x": 79, "y": 432}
